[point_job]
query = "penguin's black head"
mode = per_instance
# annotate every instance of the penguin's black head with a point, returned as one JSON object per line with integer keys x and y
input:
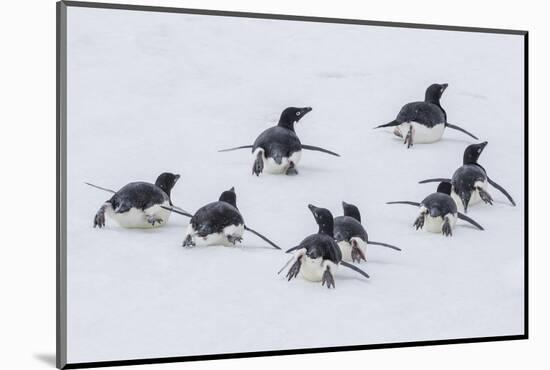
{"x": 324, "y": 219}
{"x": 444, "y": 187}
{"x": 434, "y": 93}
{"x": 292, "y": 115}
{"x": 351, "y": 211}
{"x": 230, "y": 197}
{"x": 166, "y": 181}
{"x": 472, "y": 152}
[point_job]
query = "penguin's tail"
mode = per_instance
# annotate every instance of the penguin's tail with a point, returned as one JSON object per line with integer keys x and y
{"x": 100, "y": 188}
{"x": 236, "y": 148}
{"x": 455, "y": 127}
{"x": 390, "y": 124}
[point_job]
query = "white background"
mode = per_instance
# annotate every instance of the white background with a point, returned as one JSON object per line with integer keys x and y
{"x": 29, "y": 100}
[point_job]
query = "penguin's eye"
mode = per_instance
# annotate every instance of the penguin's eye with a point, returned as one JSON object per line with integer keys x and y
{"x": 298, "y": 113}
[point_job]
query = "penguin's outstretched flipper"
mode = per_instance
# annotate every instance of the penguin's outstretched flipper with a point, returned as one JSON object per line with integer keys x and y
{"x": 390, "y": 124}
{"x": 294, "y": 249}
{"x": 468, "y": 219}
{"x": 501, "y": 189}
{"x": 405, "y": 202}
{"x": 454, "y": 127}
{"x": 439, "y": 179}
{"x": 178, "y": 210}
{"x": 261, "y": 237}
{"x": 384, "y": 245}
{"x": 318, "y": 149}
{"x": 354, "y": 268}
{"x": 100, "y": 188}
{"x": 236, "y": 148}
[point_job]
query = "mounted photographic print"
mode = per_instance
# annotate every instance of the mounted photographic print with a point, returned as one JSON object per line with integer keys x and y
{"x": 237, "y": 184}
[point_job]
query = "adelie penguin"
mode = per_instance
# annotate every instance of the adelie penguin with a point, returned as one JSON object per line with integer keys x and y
{"x": 278, "y": 149}
{"x": 470, "y": 181}
{"x": 138, "y": 204}
{"x": 318, "y": 256}
{"x": 351, "y": 236}
{"x": 423, "y": 121}
{"x": 438, "y": 212}
{"x": 218, "y": 223}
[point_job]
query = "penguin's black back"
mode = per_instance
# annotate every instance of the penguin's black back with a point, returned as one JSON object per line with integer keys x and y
{"x": 428, "y": 114}
{"x": 324, "y": 246}
{"x": 466, "y": 176}
{"x": 441, "y": 202}
{"x": 278, "y": 140}
{"x": 346, "y": 227}
{"x": 140, "y": 195}
{"x": 214, "y": 217}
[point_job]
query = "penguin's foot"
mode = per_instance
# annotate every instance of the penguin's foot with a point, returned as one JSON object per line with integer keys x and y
{"x": 291, "y": 170}
{"x": 99, "y": 218}
{"x": 188, "y": 242}
{"x": 409, "y": 137}
{"x": 485, "y": 196}
{"x": 419, "y": 222}
{"x": 154, "y": 220}
{"x": 356, "y": 253}
{"x": 258, "y": 166}
{"x": 328, "y": 278}
{"x": 446, "y": 229}
{"x": 233, "y": 239}
{"x": 294, "y": 269}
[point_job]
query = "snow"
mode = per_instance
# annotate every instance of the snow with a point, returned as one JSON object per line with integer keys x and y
{"x": 155, "y": 92}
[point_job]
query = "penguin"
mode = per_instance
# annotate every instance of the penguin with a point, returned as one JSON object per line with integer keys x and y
{"x": 318, "y": 256}
{"x": 351, "y": 236}
{"x": 138, "y": 204}
{"x": 470, "y": 181}
{"x": 438, "y": 212}
{"x": 423, "y": 121}
{"x": 278, "y": 149}
{"x": 217, "y": 223}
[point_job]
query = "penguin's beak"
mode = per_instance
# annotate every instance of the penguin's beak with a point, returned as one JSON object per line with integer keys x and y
{"x": 484, "y": 144}
{"x": 176, "y": 178}
{"x": 444, "y": 87}
{"x": 312, "y": 208}
{"x": 306, "y": 110}
{"x": 232, "y": 189}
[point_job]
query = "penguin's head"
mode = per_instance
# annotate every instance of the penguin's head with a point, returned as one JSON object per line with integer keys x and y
{"x": 351, "y": 211}
{"x": 229, "y": 196}
{"x": 434, "y": 93}
{"x": 324, "y": 219}
{"x": 472, "y": 152}
{"x": 291, "y": 115}
{"x": 166, "y": 181}
{"x": 444, "y": 187}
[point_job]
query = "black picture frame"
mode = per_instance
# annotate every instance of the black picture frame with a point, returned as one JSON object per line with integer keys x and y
{"x": 61, "y": 166}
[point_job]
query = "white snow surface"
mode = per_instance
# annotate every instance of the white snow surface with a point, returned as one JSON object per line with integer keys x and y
{"x": 155, "y": 92}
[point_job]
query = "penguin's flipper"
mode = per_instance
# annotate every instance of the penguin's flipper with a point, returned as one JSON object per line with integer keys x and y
{"x": 180, "y": 209}
{"x": 462, "y": 216}
{"x": 261, "y": 237}
{"x": 100, "y": 188}
{"x": 318, "y": 149}
{"x": 177, "y": 210}
{"x": 405, "y": 202}
{"x": 328, "y": 278}
{"x": 454, "y": 127}
{"x": 354, "y": 268}
{"x": 285, "y": 265}
{"x": 439, "y": 179}
{"x": 236, "y": 148}
{"x": 258, "y": 166}
{"x": 390, "y": 124}
{"x": 384, "y": 245}
{"x": 501, "y": 189}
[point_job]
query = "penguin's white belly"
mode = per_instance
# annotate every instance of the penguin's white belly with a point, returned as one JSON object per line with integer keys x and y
{"x": 475, "y": 199}
{"x": 313, "y": 269}
{"x": 136, "y": 218}
{"x": 434, "y": 224}
{"x": 421, "y": 133}
{"x": 346, "y": 248}
{"x": 271, "y": 166}
{"x": 235, "y": 231}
